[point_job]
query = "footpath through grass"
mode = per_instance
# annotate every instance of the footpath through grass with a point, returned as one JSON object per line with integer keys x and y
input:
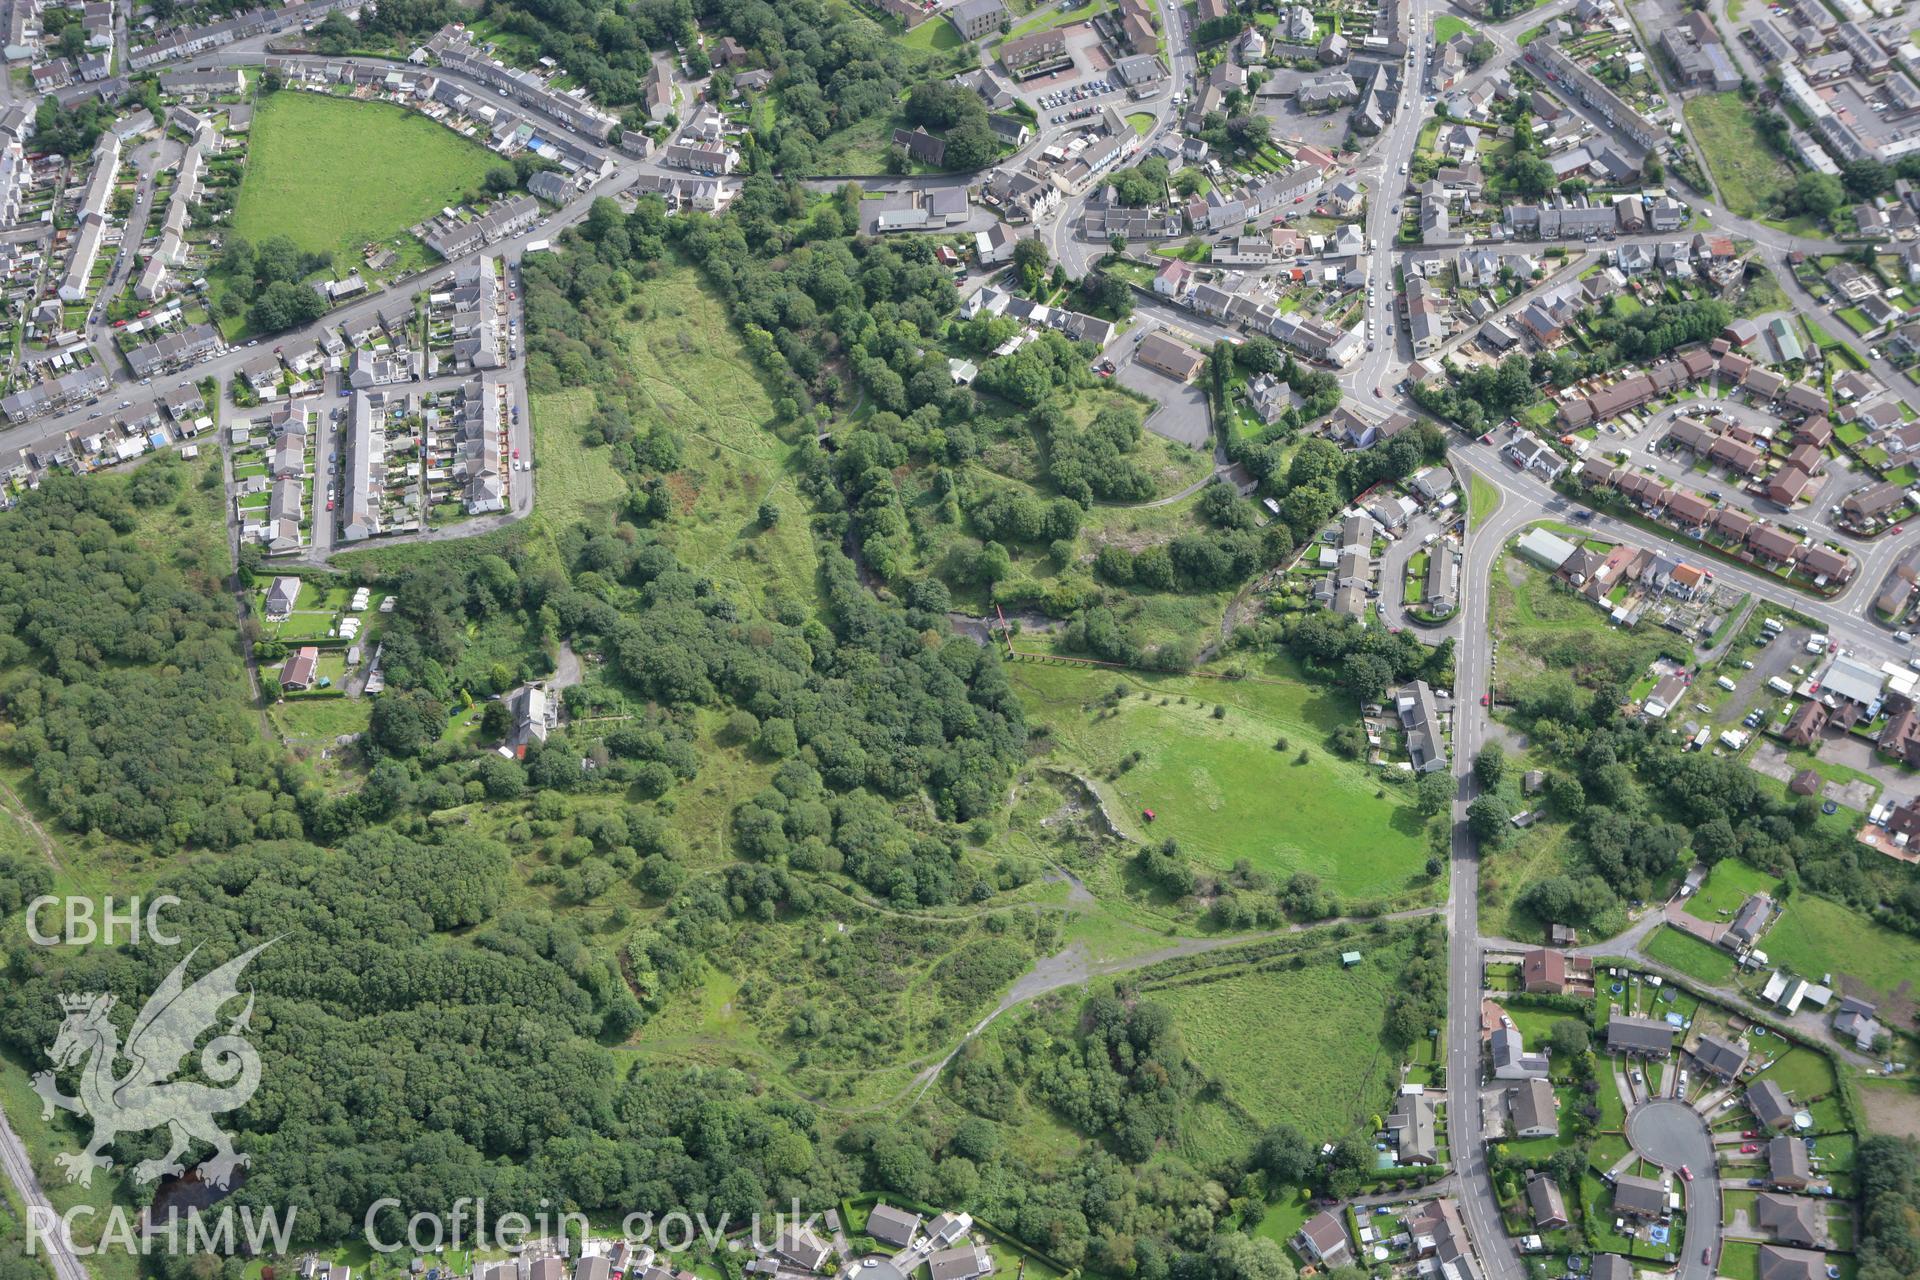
{"x": 332, "y": 174}
{"x": 1222, "y": 786}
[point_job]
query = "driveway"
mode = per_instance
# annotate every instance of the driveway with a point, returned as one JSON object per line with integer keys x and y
{"x": 1669, "y": 1133}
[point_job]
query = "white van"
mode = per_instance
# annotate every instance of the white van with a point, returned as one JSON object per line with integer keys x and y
{"x": 1779, "y": 686}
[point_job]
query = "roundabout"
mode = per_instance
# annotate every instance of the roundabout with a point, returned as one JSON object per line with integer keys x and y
{"x": 1672, "y": 1135}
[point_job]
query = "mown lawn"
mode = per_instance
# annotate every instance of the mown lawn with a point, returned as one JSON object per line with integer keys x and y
{"x": 1744, "y": 166}
{"x": 1729, "y": 884}
{"x": 1803, "y": 1073}
{"x": 1047, "y": 17}
{"x": 1482, "y": 498}
{"x": 1220, "y": 786}
{"x": 308, "y": 164}
{"x": 935, "y": 35}
{"x": 1689, "y": 955}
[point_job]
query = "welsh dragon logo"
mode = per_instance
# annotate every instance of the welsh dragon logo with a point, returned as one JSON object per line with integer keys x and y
{"x": 147, "y": 1096}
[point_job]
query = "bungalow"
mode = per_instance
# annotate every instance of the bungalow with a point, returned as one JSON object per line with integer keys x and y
{"x": 298, "y": 671}
{"x": 1533, "y": 1110}
{"x": 893, "y": 1226}
{"x": 800, "y": 1246}
{"x": 1411, "y": 1122}
{"x": 1791, "y": 1219}
{"x": 964, "y": 1262}
{"x": 1854, "y": 1019}
{"x": 1549, "y": 1207}
{"x": 1510, "y": 1059}
{"x": 1421, "y": 713}
{"x": 1748, "y": 923}
{"x": 1776, "y": 1263}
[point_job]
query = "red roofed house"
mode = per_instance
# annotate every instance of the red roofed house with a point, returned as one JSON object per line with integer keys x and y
{"x": 297, "y": 672}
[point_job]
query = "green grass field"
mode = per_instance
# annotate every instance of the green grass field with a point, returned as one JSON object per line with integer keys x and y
{"x": 1219, "y": 786}
{"x": 936, "y": 35}
{"x": 1729, "y": 884}
{"x": 1816, "y": 936}
{"x": 1047, "y": 17}
{"x": 1689, "y": 955}
{"x": 1744, "y": 167}
{"x": 1446, "y": 27}
{"x": 1804, "y": 1073}
{"x": 1295, "y": 1046}
{"x": 308, "y": 165}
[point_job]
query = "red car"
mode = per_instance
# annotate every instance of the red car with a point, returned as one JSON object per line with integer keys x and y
{"x": 1899, "y": 528}
{"x": 1486, "y": 699}
{"x": 329, "y": 504}
{"x": 1749, "y": 1148}
{"x": 1686, "y": 1173}
{"x": 1378, "y": 392}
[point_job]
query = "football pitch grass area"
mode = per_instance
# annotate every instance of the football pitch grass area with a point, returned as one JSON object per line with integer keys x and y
{"x": 331, "y": 174}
